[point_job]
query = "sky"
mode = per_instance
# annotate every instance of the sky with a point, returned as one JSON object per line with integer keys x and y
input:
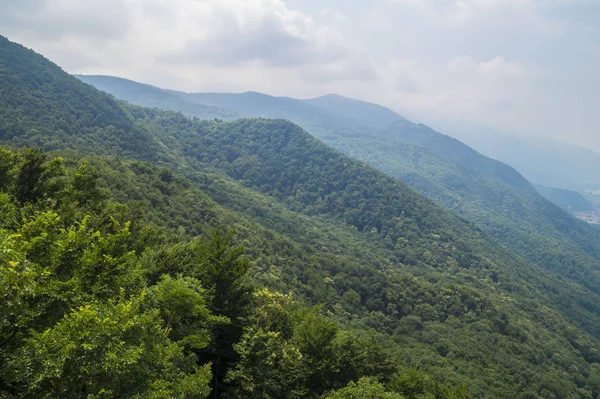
{"x": 528, "y": 67}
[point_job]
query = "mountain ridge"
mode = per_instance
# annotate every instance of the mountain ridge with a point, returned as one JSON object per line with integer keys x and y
{"x": 428, "y": 282}
{"x": 557, "y": 164}
{"x": 491, "y": 194}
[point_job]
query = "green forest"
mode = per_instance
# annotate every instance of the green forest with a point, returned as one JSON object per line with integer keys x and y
{"x": 492, "y": 195}
{"x": 99, "y": 302}
{"x": 148, "y": 254}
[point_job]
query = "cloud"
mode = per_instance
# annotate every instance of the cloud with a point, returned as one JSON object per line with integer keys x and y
{"x": 236, "y": 31}
{"x": 56, "y": 19}
{"x": 461, "y": 85}
{"x": 497, "y": 67}
{"x": 470, "y": 10}
{"x": 492, "y": 14}
{"x": 163, "y": 34}
{"x": 514, "y": 64}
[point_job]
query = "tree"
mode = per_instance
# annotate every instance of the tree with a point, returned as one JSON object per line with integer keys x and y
{"x": 115, "y": 349}
{"x": 37, "y": 178}
{"x": 222, "y": 271}
{"x": 365, "y": 388}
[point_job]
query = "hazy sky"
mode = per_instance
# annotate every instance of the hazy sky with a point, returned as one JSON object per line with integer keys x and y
{"x": 530, "y": 66}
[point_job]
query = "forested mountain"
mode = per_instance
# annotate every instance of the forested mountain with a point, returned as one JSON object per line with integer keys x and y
{"x": 446, "y": 147}
{"x": 489, "y": 193}
{"x": 542, "y": 161}
{"x": 150, "y": 96}
{"x": 118, "y": 300}
{"x": 360, "y": 112}
{"x": 114, "y": 285}
{"x": 566, "y": 199}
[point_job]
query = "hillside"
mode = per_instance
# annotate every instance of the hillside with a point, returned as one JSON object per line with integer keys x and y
{"x": 489, "y": 193}
{"x": 153, "y": 97}
{"x": 361, "y": 113}
{"x": 56, "y": 111}
{"x": 446, "y": 147}
{"x": 566, "y": 199}
{"x": 384, "y": 261}
{"x": 128, "y": 292}
{"x": 557, "y": 164}
{"x": 335, "y": 117}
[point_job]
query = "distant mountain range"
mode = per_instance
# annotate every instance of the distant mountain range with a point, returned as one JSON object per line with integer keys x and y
{"x": 491, "y": 194}
{"x": 566, "y": 199}
{"x": 541, "y": 160}
{"x": 412, "y": 298}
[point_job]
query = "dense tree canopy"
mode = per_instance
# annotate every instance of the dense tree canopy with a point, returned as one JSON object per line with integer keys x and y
{"x": 487, "y": 192}
{"x": 95, "y": 305}
{"x": 250, "y": 260}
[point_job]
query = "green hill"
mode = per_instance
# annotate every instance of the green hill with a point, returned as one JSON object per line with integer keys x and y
{"x": 566, "y": 199}
{"x": 541, "y": 160}
{"x": 487, "y": 192}
{"x": 446, "y": 147}
{"x": 491, "y": 194}
{"x": 419, "y": 284}
{"x": 360, "y": 112}
{"x": 41, "y": 107}
{"x": 153, "y": 97}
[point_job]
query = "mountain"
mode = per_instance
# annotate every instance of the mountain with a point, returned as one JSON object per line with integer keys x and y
{"x": 80, "y": 114}
{"x": 389, "y": 266}
{"x": 153, "y": 97}
{"x": 491, "y": 194}
{"x": 542, "y": 161}
{"x": 66, "y": 242}
{"x": 447, "y": 147}
{"x": 360, "y": 112}
{"x": 566, "y": 199}
{"x": 487, "y": 192}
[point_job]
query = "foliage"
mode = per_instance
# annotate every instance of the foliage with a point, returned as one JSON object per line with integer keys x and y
{"x": 489, "y": 193}
{"x": 365, "y": 388}
{"x": 283, "y": 162}
{"x": 85, "y": 314}
{"x": 402, "y": 284}
{"x": 81, "y": 115}
{"x": 78, "y": 318}
{"x": 566, "y": 199}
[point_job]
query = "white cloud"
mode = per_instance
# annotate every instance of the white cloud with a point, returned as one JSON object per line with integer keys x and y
{"x": 461, "y": 85}
{"x": 237, "y": 31}
{"x": 499, "y": 66}
{"x": 138, "y": 35}
{"x": 465, "y": 10}
{"x": 55, "y": 19}
{"x": 514, "y": 64}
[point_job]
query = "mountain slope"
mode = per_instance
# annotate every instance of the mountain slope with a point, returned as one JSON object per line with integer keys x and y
{"x": 273, "y": 158}
{"x": 491, "y": 194}
{"x": 150, "y": 96}
{"x": 566, "y": 199}
{"x": 79, "y": 112}
{"x": 510, "y": 210}
{"x": 542, "y": 161}
{"x": 381, "y": 257}
{"x": 122, "y": 291}
{"x": 360, "y": 112}
{"x": 487, "y": 192}
{"x": 447, "y": 147}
